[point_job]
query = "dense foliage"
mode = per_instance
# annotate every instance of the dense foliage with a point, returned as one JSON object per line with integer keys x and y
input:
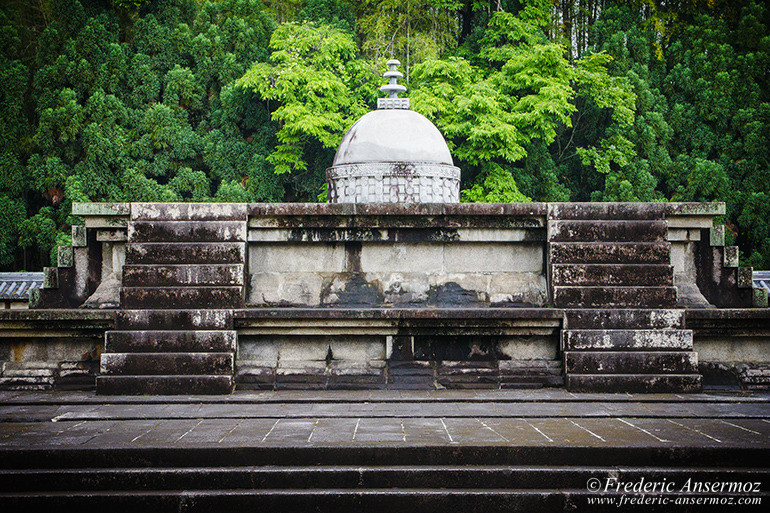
{"x": 246, "y": 100}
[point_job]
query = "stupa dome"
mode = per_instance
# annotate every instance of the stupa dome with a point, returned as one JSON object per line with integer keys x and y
{"x": 393, "y": 135}
{"x": 393, "y": 155}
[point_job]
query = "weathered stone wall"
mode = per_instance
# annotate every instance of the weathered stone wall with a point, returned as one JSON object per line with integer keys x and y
{"x": 396, "y": 273}
{"x": 393, "y": 294}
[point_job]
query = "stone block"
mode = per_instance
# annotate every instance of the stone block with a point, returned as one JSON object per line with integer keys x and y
{"x": 609, "y": 253}
{"x": 627, "y": 340}
{"x": 614, "y": 297}
{"x": 624, "y": 319}
{"x": 82, "y": 272}
{"x": 415, "y": 368}
{"x": 254, "y": 375}
{"x": 634, "y": 383}
{"x": 759, "y": 299}
{"x": 111, "y": 235}
{"x": 173, "y": 319}
{"x": 187, "y": 231}
{"x": 296, "y": 258}
{"x": 402, "y": 257}
{"x": 79, "y": 239}
{"x": 169, "y": 341}
{"x": 302, "y": 349}
{"x": 101, "y": 209}
{"x": 164, "y": 385}
{"x": 745, "y": 278}
{"x": 66, "y": 256}
{"x": 189, "y": 211}
{"x": 166, "y": 363}
{"x": 299, "y": 375}
{"x": 27, "y": 383}
{"x": 508, "y": 289}
{"x": 695, "y": 208}
{"x": 606, "y": 211}
{"x": 34, "y": 298}
{"x": 358, "y": 349}
{"x": 182, "y": 297}
{"x": 717, "y": 235}
{"x": 630, "y": 362}
{"x": 159, "y": 275}
{"x": 28, "y": 372}
{"x": 730, "y": 256}
{"x": 528, "y": 348}
{"x": 264, "y": 350}
{"x": 285, "y": 289}
{"x": 608, "y": 231}
{"x": 186, "y": 253}
{"x": 683, "y": 234}
{"x": 50, "y": 277}
{"x": 473, "y": 257}
{"x": 612, "y": 274}
{"x": 402, "y": 288}
{"x": 108, "y": 222}
{"x": 82, "y": 369}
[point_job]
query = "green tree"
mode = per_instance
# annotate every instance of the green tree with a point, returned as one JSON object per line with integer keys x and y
{"x": 319, "y": 87}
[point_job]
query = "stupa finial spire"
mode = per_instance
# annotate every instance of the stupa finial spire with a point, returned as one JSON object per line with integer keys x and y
{"x": 393, "y": 88}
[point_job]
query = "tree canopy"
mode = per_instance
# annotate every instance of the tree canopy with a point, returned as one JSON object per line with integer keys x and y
{"x": 247, "y": 100}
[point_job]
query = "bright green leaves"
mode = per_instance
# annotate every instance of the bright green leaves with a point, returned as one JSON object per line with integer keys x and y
{"x": 525, "y": 94}
{"x": 316, "y": 79}
{"x": 498, "y": 186}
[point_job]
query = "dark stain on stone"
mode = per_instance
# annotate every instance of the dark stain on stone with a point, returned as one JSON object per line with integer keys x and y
{"x": 402, "y": 348}
{"x": 353, "y": 257}
{"x": 452, "y": 294}
{"x": 357, "y": 292}
{"x": 402, "y": 169}
{"x": 456, "y": 348}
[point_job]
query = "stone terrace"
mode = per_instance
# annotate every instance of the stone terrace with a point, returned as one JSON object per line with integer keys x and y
{"x": 517, "y": 450}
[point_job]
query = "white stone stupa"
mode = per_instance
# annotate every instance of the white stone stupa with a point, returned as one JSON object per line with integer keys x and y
{"x": 393, "y": 155}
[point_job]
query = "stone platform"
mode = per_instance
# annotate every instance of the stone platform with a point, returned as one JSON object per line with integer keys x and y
{"x": 518, "y": 450}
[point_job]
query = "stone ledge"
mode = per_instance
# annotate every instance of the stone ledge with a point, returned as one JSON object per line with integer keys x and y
{"x": 728, "y": 314}
{"x": 397, "y": 209}
{"x": 399, "y": 313}
{"x": 55, "y": 314}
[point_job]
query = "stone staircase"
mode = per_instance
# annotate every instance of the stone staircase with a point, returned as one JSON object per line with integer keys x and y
{"x": 622, "y": 332}
{"x": 379, "y": 479}
{"x": 183, "y": 276}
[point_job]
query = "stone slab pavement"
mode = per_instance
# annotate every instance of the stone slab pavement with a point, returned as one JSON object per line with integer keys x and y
{"x": 536, "y": 418}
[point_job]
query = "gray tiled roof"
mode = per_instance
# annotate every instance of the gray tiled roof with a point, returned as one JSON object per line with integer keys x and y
{"x": 762, "y": 279}
{"x": 16, "y": 286}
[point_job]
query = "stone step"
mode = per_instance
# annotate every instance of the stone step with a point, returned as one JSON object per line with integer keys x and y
{"x": 164, "y": 385}
{"x": 121, "y": 364}
{"x": 350, "y": 477}
{"x": 610, "y": 253}
{"x": 634, "y": 383}
{"x": 187, "y": 231}
{"x": 170, "y": 341}
{"x": 631, "y": 362}
{"x": 612, "y": 274}
{"x": 158, "y": 275}
{"x": 607, "y": 211}
{"x": 608, "y": 231}
{"x": 378, "y": 500}
{"x": 627, "y": 340}
{"x": 189, "y": 211}
{"x": 624, "y": 319}
{"x": 186, "y": 253}
{"x": 136, "y": 298}
{"x": 173, "y": 319}
{"x": 614, "y": 297}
